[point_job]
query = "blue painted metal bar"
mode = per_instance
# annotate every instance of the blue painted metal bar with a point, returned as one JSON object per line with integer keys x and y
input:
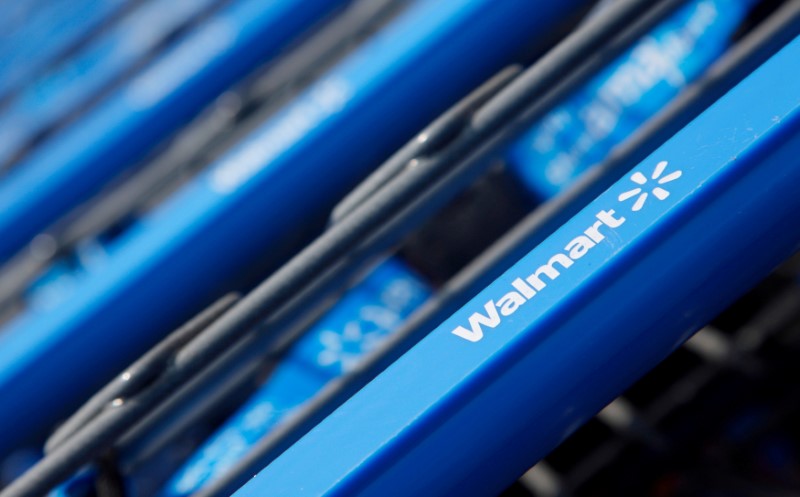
{"x": 567, "y": 328}
{"x": 159, "y": 272}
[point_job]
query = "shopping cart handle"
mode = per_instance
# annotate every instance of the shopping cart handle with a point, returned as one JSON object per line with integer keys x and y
{"x": 566, "y": 329}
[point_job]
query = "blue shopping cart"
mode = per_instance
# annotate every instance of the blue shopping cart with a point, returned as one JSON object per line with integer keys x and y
{"x": 606, "y": 196}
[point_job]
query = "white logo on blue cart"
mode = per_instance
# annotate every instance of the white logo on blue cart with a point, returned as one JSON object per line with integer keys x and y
{"x": 524, "y": 288}
{"x": 657, "y": 191}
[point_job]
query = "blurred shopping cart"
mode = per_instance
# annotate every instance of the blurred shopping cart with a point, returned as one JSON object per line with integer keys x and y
{"x": 437, "y": 320}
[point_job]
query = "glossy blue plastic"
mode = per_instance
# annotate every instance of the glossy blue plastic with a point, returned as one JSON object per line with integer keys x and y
{"x": 582, "y": 316}
{"x": 36, "y": 33}
{"x": 583, "y": 130}
{"x": 362, "y": 319}
{"x": 128, "y": 123}
{"x": 66, "y": 87}
{"x": 669, "y": 58}
{"x": 167, "y": 265}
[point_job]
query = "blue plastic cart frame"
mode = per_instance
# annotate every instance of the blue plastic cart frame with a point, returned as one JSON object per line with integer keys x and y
{"x": 566, "y": 329}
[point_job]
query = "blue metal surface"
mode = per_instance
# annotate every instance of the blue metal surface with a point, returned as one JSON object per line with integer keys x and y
{"x": 132, "y": 120}
{"x": 583, "y": 130}
{"x": 161, "y": 270}
{"x": 587, "y": 312}
{"x": 361, "y": 320}
{"x": 66, "y": 87}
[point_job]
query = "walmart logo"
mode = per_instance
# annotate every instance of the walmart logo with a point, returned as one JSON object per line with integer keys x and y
{"x": 525, "y": 287}
{"x": 641, "y": 192}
